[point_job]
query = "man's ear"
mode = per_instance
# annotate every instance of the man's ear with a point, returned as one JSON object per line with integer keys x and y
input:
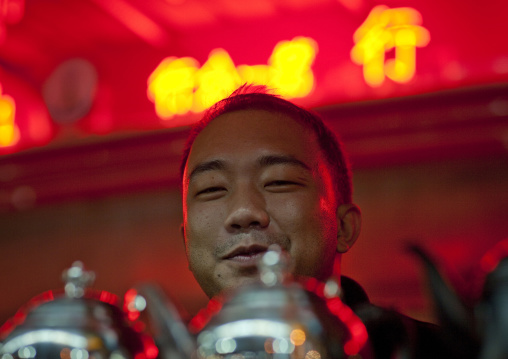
{"x": 349, "y": 221}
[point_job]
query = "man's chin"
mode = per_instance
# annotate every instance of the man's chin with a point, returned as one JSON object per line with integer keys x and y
{"x": 239, "y": 283}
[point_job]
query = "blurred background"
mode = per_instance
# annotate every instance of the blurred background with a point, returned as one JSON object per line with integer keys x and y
{"x": 96, "y": 98}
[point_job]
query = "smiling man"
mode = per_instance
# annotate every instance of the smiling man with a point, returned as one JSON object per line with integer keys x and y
{"x": 257, "y": 172}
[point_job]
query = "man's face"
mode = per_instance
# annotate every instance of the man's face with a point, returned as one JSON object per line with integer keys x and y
{"x": 256, "y": 178}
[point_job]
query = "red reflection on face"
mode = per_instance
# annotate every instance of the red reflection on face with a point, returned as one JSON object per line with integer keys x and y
{"x": 256, "y": 178}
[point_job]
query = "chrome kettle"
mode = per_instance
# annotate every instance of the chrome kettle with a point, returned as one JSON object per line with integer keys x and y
{"x": 279, "y": 318}
{"x": 82, "y": 323}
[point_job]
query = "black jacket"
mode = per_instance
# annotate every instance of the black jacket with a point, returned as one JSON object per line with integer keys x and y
{"x": 391, "y": 334}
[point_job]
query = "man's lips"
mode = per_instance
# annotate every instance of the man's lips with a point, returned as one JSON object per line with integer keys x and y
{"x": 246, "y": 254}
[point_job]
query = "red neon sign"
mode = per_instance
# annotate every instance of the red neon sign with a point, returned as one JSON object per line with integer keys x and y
{"x": 383, "y": 30}
{"x": 9, "y": 132}
{"x": 179, "y": 85}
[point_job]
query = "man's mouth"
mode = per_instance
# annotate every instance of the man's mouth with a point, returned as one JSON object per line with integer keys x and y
{"x": 246, "y": 255}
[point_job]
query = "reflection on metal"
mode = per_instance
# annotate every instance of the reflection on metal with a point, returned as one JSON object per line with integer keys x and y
{"x": 277, "y": 318}
{"x": 385, "y": 30}
{"x": 77, "y": 279}
{"x": 41, "y": 336}
{"x": 167, "y": 328}
{"x": 80, "y": 324}
{"x": 179, "y": 85}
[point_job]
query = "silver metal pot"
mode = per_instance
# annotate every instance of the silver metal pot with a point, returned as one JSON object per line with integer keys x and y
{"x": 81, "y": 323}
{"x": 278, "y": 318}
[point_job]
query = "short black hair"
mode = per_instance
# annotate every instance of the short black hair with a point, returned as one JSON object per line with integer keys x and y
{"x": 257, "y": 97}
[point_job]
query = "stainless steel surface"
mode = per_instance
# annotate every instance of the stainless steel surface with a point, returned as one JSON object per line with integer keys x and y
{"x": 78, "y": 323}
{"x": 167, "y": 328}
{"x": 273, "y": 319}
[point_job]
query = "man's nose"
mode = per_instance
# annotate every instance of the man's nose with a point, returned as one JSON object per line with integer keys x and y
{"x": 247, "y": 210}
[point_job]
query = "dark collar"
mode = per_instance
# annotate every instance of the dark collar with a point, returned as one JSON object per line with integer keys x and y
{"x": 353, "y": 294}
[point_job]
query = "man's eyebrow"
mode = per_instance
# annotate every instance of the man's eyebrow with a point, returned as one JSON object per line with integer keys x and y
{"x": 271, "y": 160}
{"x": 214, "y": 165}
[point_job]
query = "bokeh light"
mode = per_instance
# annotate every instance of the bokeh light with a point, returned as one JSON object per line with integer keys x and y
{"x": 9, "y": 132}
{"x": 297, "y": 337}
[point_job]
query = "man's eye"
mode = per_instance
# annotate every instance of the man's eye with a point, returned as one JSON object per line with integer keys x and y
{"x": 210, "y": 191}
{"x": 281, "y": 185}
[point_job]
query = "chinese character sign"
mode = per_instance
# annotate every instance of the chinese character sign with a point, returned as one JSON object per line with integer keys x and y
{"x": 9, "y": 132}
{"x": 179, "y": 85}
{"x": 384, "y": 30}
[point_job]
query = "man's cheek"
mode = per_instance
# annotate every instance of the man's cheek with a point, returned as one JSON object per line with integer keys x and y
{"x": 205, "y": 216}
{"x": 199, "y": 259}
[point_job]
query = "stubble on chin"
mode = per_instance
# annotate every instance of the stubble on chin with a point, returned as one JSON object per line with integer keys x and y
{"x": 220, "y": 277}
{"x": 239, "y": 279}
{"x": 223, "y": 247}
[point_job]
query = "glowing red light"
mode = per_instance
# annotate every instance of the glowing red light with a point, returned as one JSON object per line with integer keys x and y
{"x": 492, "y": 258}
{"x": 129, "y": 296}
{"x": 204, "y": 315}
{"x": 346, "y": 315}
{"x": 107, "y": 297}
{"x": 20, "y": 315}
{"x": 355, "y": 326}
{"x": 12, "y": 11}
{"x": 139, "y": 326}
{"x": 7, "y": 327}
{"x": 129, "y": 306}
{"x": 151, "y": 350}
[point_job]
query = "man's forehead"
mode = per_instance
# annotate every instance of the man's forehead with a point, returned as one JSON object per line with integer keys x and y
{"x": 248, "y": 127}
{"x": 251, "y": 126}
{"x": 265, "y": 122}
